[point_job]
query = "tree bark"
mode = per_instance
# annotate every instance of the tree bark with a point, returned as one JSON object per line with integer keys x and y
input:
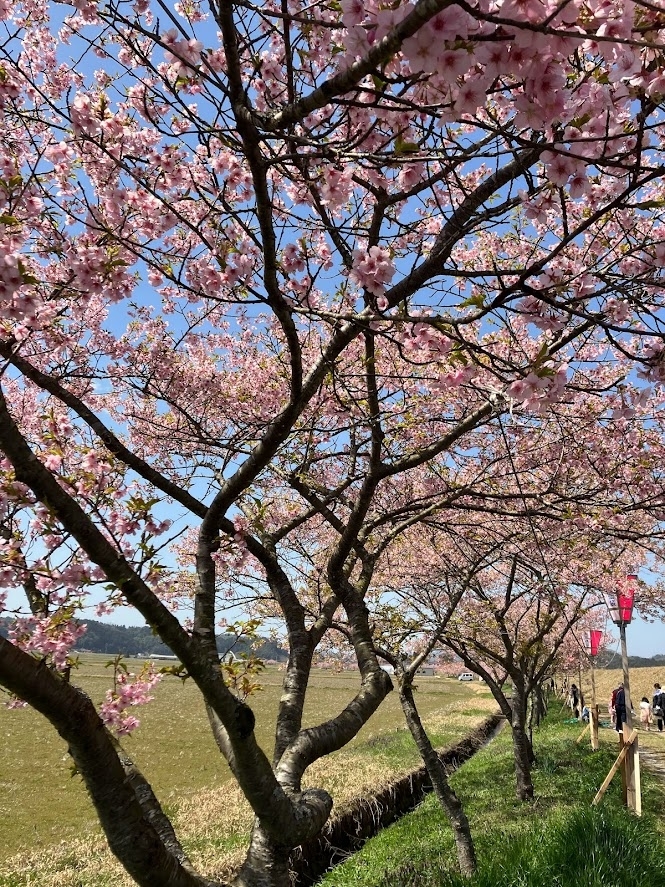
{"x": 522, "y": 748}
{"x": 450, "y": 803}
{"x": 541, "y": 703}
{"x": 266, "y": 863}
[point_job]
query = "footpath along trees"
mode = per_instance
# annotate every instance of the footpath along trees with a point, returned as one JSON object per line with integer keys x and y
{"x": 515, "y": 623}
{"x": 234, "y": 236}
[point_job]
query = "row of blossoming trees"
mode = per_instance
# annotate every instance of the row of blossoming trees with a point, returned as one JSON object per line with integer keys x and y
{"x": 339, "y": 302}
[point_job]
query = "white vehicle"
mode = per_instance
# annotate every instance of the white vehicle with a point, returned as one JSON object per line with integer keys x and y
{"x": 465, "y": 676}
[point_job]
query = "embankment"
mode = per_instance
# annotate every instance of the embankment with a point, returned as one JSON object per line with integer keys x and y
{"x": 346, "y": 833}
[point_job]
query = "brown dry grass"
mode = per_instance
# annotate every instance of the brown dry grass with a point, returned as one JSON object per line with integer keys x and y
{"x": 641, "y": 684}
{"x": 48, "y": 834}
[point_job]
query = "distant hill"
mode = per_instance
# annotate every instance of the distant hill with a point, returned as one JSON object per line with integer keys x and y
{"x": 613, "y": 660}
{"x": 134, "y": 640}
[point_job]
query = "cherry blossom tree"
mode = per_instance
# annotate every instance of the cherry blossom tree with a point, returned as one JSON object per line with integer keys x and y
{"x": 406, "y": 640}
{"x": 268, "y": 267}
{"x": 507, "y": 631}
{"x": 519, "y": 620}
{"x": 435, "y": 544}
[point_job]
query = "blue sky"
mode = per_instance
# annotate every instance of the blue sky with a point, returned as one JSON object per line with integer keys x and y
{"x": 642, "y": 638}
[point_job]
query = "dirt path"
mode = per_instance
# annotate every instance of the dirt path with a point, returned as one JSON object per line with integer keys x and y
{"x": 652, "y": 763}
{"x": 652, "y": 753}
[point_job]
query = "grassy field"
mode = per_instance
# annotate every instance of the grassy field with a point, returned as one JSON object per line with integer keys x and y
{"x": 48, "y": 835}
{"x": 559, "y": 840}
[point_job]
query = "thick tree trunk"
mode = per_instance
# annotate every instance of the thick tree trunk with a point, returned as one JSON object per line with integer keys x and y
{"x": 266, "y": 863}
{"x": 522, "y": 748}
{"x": 134, "y": 824}
{"x": 450, "y": 803}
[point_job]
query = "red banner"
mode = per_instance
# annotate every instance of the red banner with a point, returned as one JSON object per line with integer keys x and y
{"x": 626, "y": 599}
{"x": 595, "y": 637}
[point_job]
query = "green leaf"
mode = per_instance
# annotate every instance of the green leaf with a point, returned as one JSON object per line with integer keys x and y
{"x": 650, "y": 204}
{"x": 477, "y": 301}
{"x": 542, "y": 354}
{"x": 457, "y": 356}
{"x": 579, "y": 122}
{"x": 402, "y": 147}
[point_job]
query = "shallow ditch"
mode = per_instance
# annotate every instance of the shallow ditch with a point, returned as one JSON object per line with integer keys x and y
{"x": 347, "y": 833}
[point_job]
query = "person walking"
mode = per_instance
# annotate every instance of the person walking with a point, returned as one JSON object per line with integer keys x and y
{"x": 620, "y": 707}
{"x": 645, "y": 714}
{"x": 658, "y": 706}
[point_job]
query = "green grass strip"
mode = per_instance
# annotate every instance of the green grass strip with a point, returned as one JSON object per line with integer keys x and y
{"x": 559, "y": 840}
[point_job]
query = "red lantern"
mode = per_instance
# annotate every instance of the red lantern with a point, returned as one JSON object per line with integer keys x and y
{"x": 626, "y": 598}
{"x": 594, "y": 641}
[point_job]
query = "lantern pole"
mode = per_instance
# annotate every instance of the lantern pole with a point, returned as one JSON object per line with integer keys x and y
{"x": 595, "y": 744}
{"x": 624, "y": 611}
{"x": 593, "y": 643}
{"x": 633, "y": 781}
{"x": 626, "y": 675}
{"x": 621, "y": 614}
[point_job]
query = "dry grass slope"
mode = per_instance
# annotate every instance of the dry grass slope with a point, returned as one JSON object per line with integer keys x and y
{"x": 641, "y": 684}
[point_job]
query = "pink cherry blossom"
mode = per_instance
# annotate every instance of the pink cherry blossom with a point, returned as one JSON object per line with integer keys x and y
{"x": 336, "y": 187}
{"x": 353, "y": 12}
{"x": 295, "y": 308}
{"x": 372, "y": 270}
{"x": 130, "y": 691}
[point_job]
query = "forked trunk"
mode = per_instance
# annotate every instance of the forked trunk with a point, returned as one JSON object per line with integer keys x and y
{"x": 450, "y": 803}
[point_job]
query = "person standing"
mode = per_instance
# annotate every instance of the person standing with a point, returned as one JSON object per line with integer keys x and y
{"x": 658, "y": 706}
{"x": 645, "y": 714}
{"x": 574, "y": 701}
{"x": 620, "y": 707}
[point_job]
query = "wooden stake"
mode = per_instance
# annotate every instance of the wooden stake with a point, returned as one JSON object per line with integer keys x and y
{"x": 633, "y": 781}
{"x": 595, "y": 717}
{"x": 615, "y": 766}
{"x": 624, "y": 777}
{"x": 582, "y": 735}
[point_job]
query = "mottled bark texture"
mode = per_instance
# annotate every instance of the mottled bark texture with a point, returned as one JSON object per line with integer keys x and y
{"x": 266, "y": 863}
{"x": 522, "y": 748}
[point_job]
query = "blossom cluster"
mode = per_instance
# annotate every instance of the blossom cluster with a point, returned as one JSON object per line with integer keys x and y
{"x": 130, "y": 691}
{"x": 11, "y": 278}
{"x": 51, "y": 637}
{"x": 372, "y": 270}
{"x": 538, "y": 390}
{"x": 182, "y": 55}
